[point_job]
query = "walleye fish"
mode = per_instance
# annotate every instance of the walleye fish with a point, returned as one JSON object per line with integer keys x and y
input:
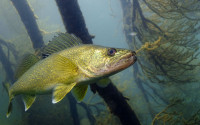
{"x": 67, "y": 65}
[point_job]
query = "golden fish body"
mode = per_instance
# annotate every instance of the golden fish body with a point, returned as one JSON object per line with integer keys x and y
{"x": 72, "y": 68}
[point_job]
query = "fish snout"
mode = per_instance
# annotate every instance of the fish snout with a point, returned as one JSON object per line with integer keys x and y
{"x": 134, "y": 57}
{"x": 134, "y": 53}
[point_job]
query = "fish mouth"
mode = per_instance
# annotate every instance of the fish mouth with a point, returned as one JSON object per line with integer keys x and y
{"x": 124, "y": 62}
{"x": 127, "y": 60}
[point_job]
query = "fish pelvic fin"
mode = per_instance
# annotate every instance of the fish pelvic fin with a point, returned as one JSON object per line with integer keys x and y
{"x": 79, "y": 92}
{"x": 60, "y": 91}
{"x": 28, "y": 101}
{"x": 103, "y": 82}
{"x": 7, "y": 86}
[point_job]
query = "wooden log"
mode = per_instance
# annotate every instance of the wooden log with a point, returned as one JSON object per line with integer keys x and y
{"x": 73, "y": 19}
{"x": 29, "y": 21}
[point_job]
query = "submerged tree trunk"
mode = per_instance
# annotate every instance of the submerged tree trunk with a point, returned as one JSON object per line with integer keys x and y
{"x": 74, "y": 23}
{"x": 73, "y": 19}
{"x": 28, "y": 19}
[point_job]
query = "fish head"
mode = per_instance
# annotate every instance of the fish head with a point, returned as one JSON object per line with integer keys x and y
{"x": 101, "y": 61}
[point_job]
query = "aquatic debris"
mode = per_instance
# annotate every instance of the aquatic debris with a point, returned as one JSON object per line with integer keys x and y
{"x": 150, "y": 46}
{"x": 132, "y": 34}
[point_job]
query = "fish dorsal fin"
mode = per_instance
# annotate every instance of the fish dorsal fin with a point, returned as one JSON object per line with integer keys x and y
{"x": 60, "y": 91}
{"x": 79, "y": 92}
{"x": 61, "y": 42}
{"x": 28, "y": 101}
{"x": 28, "y": 61}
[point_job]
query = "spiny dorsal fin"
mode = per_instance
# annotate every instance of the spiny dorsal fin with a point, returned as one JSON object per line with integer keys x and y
{"x": 61, "y": 42}
{"x": 28, "y": 61}
{"x": 79, "y": 92}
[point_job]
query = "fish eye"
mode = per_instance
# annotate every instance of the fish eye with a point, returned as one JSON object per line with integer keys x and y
{"x": 111, "y": 51}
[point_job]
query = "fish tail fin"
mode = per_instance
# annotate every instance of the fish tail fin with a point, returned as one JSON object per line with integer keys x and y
{"x": 7, "y": 86}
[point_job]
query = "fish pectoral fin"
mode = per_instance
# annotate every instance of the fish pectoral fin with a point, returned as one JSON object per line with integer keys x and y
{"x": 60, "y": 91}
{"x": 28, "y": 101}
{"x": 64, "y": 65}
{"x": 79, "y": 92}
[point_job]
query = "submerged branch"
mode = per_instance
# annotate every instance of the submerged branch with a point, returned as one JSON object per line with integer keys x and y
{"x": 10, "y": 48}
{"x": 89, "y": 113}
{"x": 7, "y": 66}
{"x": 117, "y": 104}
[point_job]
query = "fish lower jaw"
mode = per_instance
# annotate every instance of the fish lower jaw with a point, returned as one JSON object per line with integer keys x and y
{"x": 122, "y": 64}
{"x": 125, "y": 62}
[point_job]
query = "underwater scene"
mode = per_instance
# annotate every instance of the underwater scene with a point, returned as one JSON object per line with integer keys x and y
{"x": 99, "y": 62}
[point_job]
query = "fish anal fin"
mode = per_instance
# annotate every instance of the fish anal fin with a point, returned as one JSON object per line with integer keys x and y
{"x": 79, "y": 92}
{"x": 28, "y": 101}
{"x": 60, "y": 91}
